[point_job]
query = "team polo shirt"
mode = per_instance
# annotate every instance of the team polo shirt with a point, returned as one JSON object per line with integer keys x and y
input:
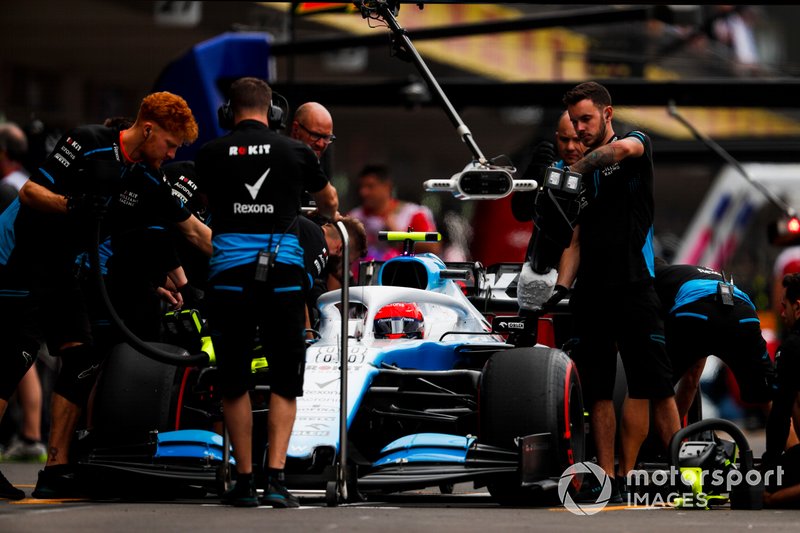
{"x": 679, "y": 285}
{"x": 254, "y": 178}
{"x": 70, "y": 169}
{"x": 616, "y": 225}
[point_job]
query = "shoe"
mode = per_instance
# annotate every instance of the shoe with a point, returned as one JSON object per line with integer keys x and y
{"x": 56, "y": 482}
{"x": 625, "y": 491}
{"x": 9, "y": 491}
{"x": 591, "y": 491}
{"x": 278, "y": 496}
{"x": 23, "y": 449}
{"x": 242, "y": 494}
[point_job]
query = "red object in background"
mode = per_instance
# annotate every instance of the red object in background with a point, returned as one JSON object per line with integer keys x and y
{"x": 498, "y": 236}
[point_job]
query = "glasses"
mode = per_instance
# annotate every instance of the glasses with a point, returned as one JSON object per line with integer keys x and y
{"x": 317, "y": 136}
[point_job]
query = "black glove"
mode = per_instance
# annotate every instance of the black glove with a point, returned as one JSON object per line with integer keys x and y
{"x": 522, "y": 203}
{"x": 544, "y": 154}
{"x": 192, "y": 296}
{"x": 559, "y": 293}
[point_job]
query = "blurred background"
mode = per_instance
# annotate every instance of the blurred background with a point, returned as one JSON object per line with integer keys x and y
{"x": 732, "y": 70}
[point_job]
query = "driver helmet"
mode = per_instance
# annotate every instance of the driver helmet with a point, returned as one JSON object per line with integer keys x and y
{"x": 401, "y": 320}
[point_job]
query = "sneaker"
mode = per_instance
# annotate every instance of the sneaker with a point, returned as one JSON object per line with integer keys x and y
{"x": 9, "y": 491}
{"x": 24, "y": 449}
{"x": 591, "y": 491}
{"x": 277, "y": 495}
{"x": 56, "y": 482}
{"x": 242, "y": 494}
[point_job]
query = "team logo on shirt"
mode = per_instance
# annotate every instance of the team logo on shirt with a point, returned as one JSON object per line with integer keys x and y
{"x": 254, "y": 188}
{"x": 253, "y": 149}
{"x": 72, "y": 142}
{"x": 246, "y": 209}
{"x": 610, "y": 169}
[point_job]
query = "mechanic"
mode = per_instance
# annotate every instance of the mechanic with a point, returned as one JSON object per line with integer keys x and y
{"x": 322, "y": 256}
{"x": 785, "y": 410}
{"x": 705, "y": 315}
{"x": 614, "y": 303}
{"x": 569, "y": 149}
{"x": 381, "y": 211}
{"x": 142, "y": 219}
{"x": 27, "y": 444}
{"x": 313, "y": 125}
{"x": 544, "y": 251}
{"x": 51, "y": 224}
{"x": 183, "y": 178}
{"x": 256, "y": 276}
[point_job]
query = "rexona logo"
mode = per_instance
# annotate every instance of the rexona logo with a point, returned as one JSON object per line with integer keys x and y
{"x": 568, "y": 477}
{"x": 246, "y": 209}
{"x": 253, "y": 149}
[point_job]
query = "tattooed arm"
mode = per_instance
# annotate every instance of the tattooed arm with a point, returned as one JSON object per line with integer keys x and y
{"x": 609, "y": 154}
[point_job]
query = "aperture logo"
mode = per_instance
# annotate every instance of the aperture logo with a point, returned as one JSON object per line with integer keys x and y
{"x": 568, "y": 477}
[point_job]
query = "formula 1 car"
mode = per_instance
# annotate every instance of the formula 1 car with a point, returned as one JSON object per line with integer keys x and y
{"x": 434, "y": 396}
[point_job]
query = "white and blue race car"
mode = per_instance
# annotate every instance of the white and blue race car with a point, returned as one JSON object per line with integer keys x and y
{"x": 434, "y": 397}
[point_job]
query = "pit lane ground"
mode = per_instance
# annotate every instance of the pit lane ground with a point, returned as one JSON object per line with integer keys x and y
{"x": 466, "y": 510}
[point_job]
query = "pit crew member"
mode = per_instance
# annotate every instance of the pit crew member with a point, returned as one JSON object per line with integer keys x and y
{"x": 45, "y": 231}
{"x": 614, "y": 303}
{"x": 705, "y": 315}
{"x": 256, "y": 275}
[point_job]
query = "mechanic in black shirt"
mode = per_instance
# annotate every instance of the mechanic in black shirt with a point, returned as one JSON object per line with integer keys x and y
{"x": 144, "y": 259}
{"x": 46, "y": 229}
{"x": 614, "y": 303}
{"x": 705, "y": 315}
{"x": 183, "y": 177}
{"x": 254, "y": 177}
{"x": 322, "y": 251}
{"x": 785, "y": 410}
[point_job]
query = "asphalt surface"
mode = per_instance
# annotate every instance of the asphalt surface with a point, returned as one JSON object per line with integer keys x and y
{"x": 466, "y": 510}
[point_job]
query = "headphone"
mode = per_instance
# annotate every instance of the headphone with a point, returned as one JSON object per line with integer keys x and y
{"x": 147, "y": 133}
{"x": 276, "y": 115}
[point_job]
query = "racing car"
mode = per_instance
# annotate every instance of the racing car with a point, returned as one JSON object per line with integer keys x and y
{"x": 435, "y": 396}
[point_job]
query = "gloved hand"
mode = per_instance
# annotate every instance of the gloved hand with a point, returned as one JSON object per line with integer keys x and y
{"x": 559, "y": 293}
{"x": 191, "y": 295}
{"x": 544, "y": 154}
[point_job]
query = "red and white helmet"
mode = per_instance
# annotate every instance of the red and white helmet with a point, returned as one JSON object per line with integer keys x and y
{"x": 401, "y": 320}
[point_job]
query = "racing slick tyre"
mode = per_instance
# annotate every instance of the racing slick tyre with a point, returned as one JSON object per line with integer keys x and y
{"x": 525, "y": 391}
{"x": 135, "y": 395}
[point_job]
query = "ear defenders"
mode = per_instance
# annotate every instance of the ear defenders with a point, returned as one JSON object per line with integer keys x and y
{"x": 275, "y": 115}
{"x": 225, "y": 116}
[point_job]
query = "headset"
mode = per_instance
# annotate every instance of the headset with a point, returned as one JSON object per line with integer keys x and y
{"x": 276, "y": 115}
